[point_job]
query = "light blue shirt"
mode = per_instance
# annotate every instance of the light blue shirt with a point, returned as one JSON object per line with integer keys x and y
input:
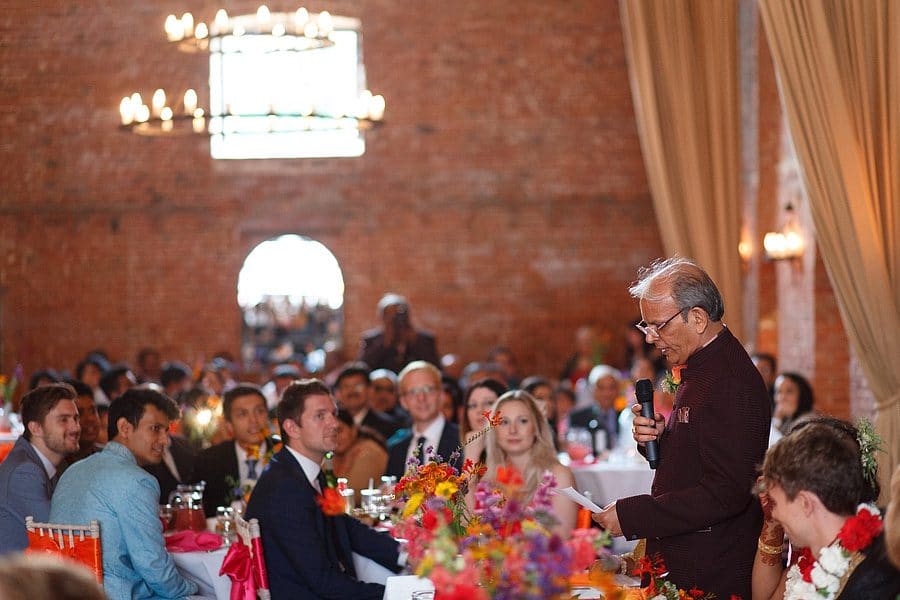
{"x": 110, "y": 487}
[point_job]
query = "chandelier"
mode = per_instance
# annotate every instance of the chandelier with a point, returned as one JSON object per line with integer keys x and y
{"x": 786, "y": 243}
{"x": 288, "y": 32}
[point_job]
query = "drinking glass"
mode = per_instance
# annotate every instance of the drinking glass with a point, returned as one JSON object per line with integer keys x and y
{"x": 225, "y": 524}
{"x": 578, "y": 443}
{"x": 165, "y": 516}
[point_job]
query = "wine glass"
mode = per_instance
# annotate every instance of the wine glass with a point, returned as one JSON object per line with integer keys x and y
{"x": 578, "y": 443}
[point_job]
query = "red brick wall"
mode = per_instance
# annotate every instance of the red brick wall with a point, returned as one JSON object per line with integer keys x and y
{"x": 505, "y": 195}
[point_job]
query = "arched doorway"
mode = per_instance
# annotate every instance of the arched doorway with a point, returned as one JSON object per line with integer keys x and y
{"x": 291, "y": 293}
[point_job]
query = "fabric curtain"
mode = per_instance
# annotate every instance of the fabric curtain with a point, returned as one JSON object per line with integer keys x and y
{"x": 683, "y": 66}
{"x": 838, "y": 65}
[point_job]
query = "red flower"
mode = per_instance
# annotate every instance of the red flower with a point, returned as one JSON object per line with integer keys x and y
{"x": 676, "y": 373}
{"x": 859, "y": 531}
{"x": 695, "y": 593}
{"x": 509, "y": 476}
{"x": 461, "y": 591}
{"x": 331, "y": 502}
{"x": 433, "y": 518}
{"x": 805, "y": 563}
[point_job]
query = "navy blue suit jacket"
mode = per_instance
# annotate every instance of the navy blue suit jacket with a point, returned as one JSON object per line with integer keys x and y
{"x": 398, "y": 447}
{"x": 300, "y": 562}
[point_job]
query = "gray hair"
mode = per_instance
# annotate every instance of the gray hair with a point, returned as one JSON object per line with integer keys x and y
{"x": 688, "y": 283}
{"x": 383, "y": 374}
{"x": 601, "y": 371}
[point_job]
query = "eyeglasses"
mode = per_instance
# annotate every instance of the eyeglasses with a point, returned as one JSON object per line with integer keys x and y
{"x": 425, "y": 390}
{"x": 654, "y": 328}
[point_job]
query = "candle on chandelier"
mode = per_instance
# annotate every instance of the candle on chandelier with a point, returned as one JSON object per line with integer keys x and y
{"x": 300, "y": 19}
{"x": 326, "y": 24}
{"x": 187, "y": 23}
{"x": 174, "y": 29}
{"x": 158, "y": 101}
{"x": 126, "y": 111}
{"x": 190, "y": 102}
{"x": 376, "y": 108}
{"x": 221, "y": 22}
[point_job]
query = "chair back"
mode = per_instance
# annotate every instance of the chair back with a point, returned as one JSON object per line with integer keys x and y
{"x": 80, "y": 543}
{"x": 248, "y": 537}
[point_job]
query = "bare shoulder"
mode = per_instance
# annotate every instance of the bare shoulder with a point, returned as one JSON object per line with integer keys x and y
{"x": 563, "y": 474}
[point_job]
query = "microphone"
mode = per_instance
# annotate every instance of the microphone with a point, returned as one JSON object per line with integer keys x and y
{"x": 643, "y": 390}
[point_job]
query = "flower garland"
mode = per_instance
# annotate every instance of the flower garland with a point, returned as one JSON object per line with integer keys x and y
{"x": 823, "y": 578}
{"x": 673, "y": 379}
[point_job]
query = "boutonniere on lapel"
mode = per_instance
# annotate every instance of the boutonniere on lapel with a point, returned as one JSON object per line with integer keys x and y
{"x": 331, "y": 501}
{"x": 673, "y": 379}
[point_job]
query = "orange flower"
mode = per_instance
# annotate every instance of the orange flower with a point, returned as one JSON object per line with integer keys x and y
{"x": 493, "y": 420}
{"x": 509, "y": 476}
{"x": 252, "y": 451}
{"x": 676, "y": 373}
{"x": 331, "y": 502}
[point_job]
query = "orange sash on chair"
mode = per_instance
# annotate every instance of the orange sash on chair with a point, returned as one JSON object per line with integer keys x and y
{"x": 80, "y": 543}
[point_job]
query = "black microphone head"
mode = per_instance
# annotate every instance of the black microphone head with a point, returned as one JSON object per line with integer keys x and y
{"x": 643, "y": 389}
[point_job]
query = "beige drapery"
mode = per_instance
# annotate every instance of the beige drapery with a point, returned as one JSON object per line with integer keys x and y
{"x": 839, "y": 70}
{"x": 682, "y": 61}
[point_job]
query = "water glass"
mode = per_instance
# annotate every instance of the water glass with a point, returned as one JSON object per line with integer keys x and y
{"x": 368, "y": 500}
{"x": 578, "y": 443}
{"x": 225, "y": 524}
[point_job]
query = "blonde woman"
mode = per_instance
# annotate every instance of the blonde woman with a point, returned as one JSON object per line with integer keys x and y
{"x": 523, "y": 440}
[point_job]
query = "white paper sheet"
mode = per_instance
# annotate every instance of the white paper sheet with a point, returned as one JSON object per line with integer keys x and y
{"x": 577, "y": 497}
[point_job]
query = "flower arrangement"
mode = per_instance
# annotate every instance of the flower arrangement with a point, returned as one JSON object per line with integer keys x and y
{"x": 506, "y": 550}
{"x": 824, "y": 577}
{"x": 673, "y": 379}
{"x": 869, "y": 445}
{"x": 8, "y": 386}
{"x": 654, "y": 569}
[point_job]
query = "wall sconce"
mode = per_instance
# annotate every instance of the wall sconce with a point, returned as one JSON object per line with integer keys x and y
{"x": 787, "y": 243}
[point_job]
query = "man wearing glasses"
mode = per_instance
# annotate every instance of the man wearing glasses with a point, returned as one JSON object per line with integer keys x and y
{"x": 431, "y": 434}
{"x": 700, "y": 516}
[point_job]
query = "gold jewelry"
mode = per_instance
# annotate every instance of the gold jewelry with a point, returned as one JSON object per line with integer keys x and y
{"x": 767, "y": 549}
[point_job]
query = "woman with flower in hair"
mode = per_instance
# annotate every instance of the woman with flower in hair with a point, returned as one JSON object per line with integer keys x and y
{"x": 818, "y": 486}
{"x": 520, "y": 452}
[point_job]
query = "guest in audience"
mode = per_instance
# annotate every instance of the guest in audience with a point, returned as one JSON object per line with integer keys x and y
{"x": 431, "y": 433}
{"x": 586, "y": 355}
{"x": 308, "y": 553}
{"x": 522, "y": 441}
{"x": 637, "y": 346}
{"x": 700, "y": 504}
{"x": 89, "y": 419}
{"x": 564, "y": 401}
{"x": 601, "y": 415}
{"x": 357, "y": 455}
{"x": 282, "y": 376}
{"x": 352, "y": 389}
{"x": 90, "y": 371}
{"x": 504, "y": 358}
{"x": 479, "y": 399}
{"x": 30, "y": 471}
{"x": 43, "y": 377}
{"x": 177, "y": 462}
{"x": 116, "y": 380}
{"x": 240, "y": 460}
{"x": 451, "y": 400}
{"x": 385, "y": 397}
{"x": 396, "y": 343}
{"x": 175, "y": 378}
{"x": 149, "y": 366}
{"x": 767, "y": 365}
{"x": 39, "y": 577}
{"x": 541, "y": 389}
{"x": 812, "y": 487}
{"x": 476, "y": 371}
{"x": 793, "y": 399}
{"x": 215, "y": 377}
{"x": 112, "y": 488}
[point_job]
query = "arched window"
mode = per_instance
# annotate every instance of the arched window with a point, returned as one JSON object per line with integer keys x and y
{"x": 291, "y": 293}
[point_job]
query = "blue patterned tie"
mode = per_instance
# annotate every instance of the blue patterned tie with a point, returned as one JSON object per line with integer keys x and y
{"x": 251, "y": 468}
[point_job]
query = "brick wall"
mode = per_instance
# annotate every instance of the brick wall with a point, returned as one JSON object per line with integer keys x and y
{"x": 505, "y": 195}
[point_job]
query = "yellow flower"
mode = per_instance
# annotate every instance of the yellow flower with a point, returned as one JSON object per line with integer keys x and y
{"x": 413, "y": 504}
{"x": 445, "y": 489}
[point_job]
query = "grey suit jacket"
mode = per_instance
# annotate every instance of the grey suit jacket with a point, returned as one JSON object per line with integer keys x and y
{"x": 25, "y": 490}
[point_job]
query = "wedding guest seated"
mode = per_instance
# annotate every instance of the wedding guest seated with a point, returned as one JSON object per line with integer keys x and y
{"x": 504, "y": 358}
{"x": 90, "y": 371}
{"x": 385, "y": 397}
{"x": 767, "y": 365}
{"x": 817, "y": 487}
{"x": 430, "y": 434}
{"x": 479, "y": 399}
{"x": 605, "y": 384}
{"x": 112, "y": 488}
{"x": 43, "y": 377}
{"x": 89, "y": 419}
{"x": 542, "y": 391}
{"x": 357, "y": 455}
{"x": 793, "y": 399}
{"x": 476, "y": 371}
{"x": 177, "y": 462}
{"x": 308, "y": 553}
{"x": 239, "y": 461}
{"x": 564, "y": 400}
{"x": 282, "y": 376}
{"x": 396, "y": 342}
{"x": 25, "y": 577}
{"x": 30, "y": 471}
{"x": 149, "y": 366}
{"x": 522, "y": 441}
{"x": 451, "y": 399}
{"x": 116, "y": 380}
{"x": 352, "y": 389}
{"x": 175, "y": 378}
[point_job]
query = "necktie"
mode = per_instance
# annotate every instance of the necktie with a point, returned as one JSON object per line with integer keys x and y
{"x": 420, "y": 449}
{"x": 251, "y": 468}
{"x": 320, "y": 479}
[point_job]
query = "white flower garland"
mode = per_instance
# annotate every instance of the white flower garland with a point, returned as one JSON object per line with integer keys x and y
{"x": 828, "y": 570}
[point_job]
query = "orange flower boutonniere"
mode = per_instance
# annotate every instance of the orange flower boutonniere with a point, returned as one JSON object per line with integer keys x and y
{"x": 331, "y": 502}
{"x": 673, "y": 379}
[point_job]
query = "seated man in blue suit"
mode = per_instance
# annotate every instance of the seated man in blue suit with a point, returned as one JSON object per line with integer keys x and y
{"x": 430, "y": 434}
{"x": 309, "y": 554}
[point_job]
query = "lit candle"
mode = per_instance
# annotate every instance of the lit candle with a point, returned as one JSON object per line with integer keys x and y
{"x": 325, "y": 23}
{"x": 376, "y": 108}
{"x": 300, "y": 19}
{"x": 201, "y": 31}
{"x": 187, "y": 24}
{"x": 158, "y": 101}
{"x": 221, "y": 22}
{"x": 262, "y": 17}
{"x": 142, "y": 114}
{"x": 167, "y": 126}
{"x": 173, "y": 26}
{"x": 362, "y": 105}
{"x": 278, "y": 30}
{"x": 190, "y": 102}
{"x": 166, "y": 114}
{"x": 136, "y": 101}
{"x": 311, "y": 30}
{"x": 126, "y": 111}
{"x": 198, "y": 124}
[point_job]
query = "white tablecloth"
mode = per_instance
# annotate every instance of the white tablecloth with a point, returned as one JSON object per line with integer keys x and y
{"x": 203, "y": 569}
